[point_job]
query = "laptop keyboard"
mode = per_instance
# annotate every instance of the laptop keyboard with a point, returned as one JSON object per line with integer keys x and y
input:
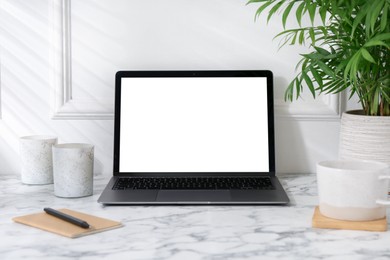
{"x": 192, "y": 183}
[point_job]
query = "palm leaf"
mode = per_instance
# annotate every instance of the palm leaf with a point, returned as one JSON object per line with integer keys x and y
{"x": 263, "y": 7}
{"x": 367, "y": 55}
{"x": 286, "y": 13}
{"x": 274, "y": 9}
{"x": 299, "y": 12}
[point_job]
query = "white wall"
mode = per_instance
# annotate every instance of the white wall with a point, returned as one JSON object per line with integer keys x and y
{"x": 58, "y": 59}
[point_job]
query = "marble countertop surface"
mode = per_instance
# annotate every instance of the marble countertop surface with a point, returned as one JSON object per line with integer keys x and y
{"x": 183, "y": 232}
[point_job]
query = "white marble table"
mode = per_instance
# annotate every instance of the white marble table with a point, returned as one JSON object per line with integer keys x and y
{"x": 183, "y": 232}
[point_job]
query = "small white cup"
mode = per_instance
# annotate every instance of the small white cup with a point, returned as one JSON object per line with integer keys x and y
{"x": 36, "y": 159}
{"x": 353, "y": 190}
{"x": 73, "y": 170}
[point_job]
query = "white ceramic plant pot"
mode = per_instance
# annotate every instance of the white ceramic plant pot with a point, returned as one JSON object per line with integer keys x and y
{"x": 364, "y": 137}
{"x": 73, "y": 170}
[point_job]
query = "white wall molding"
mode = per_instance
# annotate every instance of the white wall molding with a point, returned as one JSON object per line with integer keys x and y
{"x": 64, "y": 105}
{"x": 327, "y": 107}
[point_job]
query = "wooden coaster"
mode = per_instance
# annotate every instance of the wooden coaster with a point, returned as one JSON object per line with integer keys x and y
{"x": 320, "y": 221}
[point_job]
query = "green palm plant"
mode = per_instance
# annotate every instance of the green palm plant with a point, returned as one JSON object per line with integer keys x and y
{"x": 350, "y": 48}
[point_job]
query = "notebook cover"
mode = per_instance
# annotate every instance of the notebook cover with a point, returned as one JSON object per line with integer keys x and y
{"x": 55, "y": 225}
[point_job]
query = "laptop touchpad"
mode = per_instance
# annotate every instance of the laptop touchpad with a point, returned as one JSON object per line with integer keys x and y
{"x": 193, "y": 195}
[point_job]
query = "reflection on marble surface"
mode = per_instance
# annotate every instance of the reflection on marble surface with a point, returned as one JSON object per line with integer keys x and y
{"x": 183, "y": 232}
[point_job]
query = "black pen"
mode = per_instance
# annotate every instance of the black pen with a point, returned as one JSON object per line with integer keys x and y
{"x": 66, "y": 217}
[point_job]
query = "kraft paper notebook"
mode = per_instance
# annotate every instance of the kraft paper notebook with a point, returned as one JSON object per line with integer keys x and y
{"x": 52, "y": 224}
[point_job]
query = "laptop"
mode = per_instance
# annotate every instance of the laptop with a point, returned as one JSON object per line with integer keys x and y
{"x": 194, "y": 137}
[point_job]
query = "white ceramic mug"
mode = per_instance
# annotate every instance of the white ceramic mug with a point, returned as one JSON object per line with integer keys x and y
{"x": 353, "y": 190}
{"x": 73, "y": 170}
{"x": 36, "y": 159}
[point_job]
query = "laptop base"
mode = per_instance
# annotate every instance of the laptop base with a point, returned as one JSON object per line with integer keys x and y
{"x": 193, "y": 197}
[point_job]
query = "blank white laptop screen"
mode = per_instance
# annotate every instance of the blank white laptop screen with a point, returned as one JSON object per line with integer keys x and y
{"x": 190, "y": 124}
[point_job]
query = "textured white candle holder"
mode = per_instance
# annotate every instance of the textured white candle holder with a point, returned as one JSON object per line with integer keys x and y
{"x": 73, "y": 170}
{"x": 36, "y": 159}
